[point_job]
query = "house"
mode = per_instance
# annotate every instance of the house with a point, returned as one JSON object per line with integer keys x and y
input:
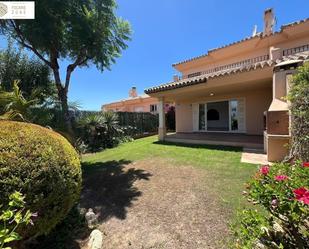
{"x": 234, "y": 94}
{"x": 135, "y": 103}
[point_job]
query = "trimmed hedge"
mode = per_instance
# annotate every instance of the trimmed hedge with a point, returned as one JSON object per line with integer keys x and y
{"x": 43, "y": 166}
{"x": 143, "y": 122}
{"x": 136, "y": 124}
{"x": 299, "y": 97}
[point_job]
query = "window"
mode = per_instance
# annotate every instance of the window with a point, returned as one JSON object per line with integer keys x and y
{"x": 153, "y": 108}
{"x": 213, "y": 114}
{"x": 138, "y": 109}
{"x": 194, "y": 74}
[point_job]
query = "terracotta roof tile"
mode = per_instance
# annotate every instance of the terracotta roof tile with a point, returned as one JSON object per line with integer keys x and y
{"x": 259, "y": 35}
{"x": 245, "y": 68}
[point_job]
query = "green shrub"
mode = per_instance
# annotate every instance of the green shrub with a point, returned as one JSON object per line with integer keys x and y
{"x": 44, "y": 166}
{"x": 101, "y": 131}
{"x": 281, "y": 218}
{"x": 299, "y": 97}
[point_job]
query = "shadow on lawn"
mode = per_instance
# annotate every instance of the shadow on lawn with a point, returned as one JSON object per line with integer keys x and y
{"x": 108, "y": 187}
{"x": 204, "y": 146}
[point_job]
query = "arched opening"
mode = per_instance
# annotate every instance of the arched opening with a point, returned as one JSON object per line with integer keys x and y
{"x": 213, "y": 114}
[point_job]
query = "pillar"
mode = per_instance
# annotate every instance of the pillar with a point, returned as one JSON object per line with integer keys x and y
{"x": 162, "y": 126}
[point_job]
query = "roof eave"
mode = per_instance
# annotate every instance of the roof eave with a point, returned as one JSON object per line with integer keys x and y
{"x": 259, "y": 36}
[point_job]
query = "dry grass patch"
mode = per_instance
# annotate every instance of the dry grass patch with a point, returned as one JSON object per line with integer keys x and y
{"x": 154, "y": 204}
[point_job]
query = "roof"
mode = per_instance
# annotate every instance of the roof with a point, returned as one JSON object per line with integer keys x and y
{"x": 245, "y": 68}
{"x": 258, "y": 35}
{"x": 143, "y": 96}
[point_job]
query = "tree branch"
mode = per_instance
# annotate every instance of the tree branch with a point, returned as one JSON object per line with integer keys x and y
{"x": 22, "y": 41}
{"x": 81, "y": 59}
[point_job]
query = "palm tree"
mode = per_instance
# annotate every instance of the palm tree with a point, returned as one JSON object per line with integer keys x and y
{"x": 99, "y": 131}
{"x": 111, "y": 123}
{"x": 13, "y": 104}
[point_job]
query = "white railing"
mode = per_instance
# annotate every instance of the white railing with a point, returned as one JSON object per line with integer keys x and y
{"x": 243, "y": 63}
{"x": 234, "y": 65}
{"x": 291, "y": 51}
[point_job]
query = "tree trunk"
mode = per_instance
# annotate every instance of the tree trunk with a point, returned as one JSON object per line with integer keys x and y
{"x": 63, "y": 97}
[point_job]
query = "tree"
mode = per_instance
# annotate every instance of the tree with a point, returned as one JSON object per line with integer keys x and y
{"x": 81, "y": 31}
{"x": 31, "y": 73}
{"x": 100, "y": 130}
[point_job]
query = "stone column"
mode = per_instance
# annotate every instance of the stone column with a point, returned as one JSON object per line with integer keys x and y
{"x": 162, "y": 126}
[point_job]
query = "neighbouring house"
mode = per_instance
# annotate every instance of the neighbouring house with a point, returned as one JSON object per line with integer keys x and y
{"x": 234, "y": 94}
{"x": 135, "y": 103}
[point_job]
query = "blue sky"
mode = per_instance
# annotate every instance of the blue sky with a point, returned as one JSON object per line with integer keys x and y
{"x": 168, "y": 31}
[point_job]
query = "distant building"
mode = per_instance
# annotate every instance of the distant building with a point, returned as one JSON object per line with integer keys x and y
{"x": 135, "y": 103}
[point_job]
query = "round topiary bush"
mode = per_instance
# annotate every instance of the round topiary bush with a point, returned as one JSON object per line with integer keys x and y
{"x": 42, "y": 165}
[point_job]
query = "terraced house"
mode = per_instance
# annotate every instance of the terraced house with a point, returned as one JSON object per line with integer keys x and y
{"x": 234, "y": 95}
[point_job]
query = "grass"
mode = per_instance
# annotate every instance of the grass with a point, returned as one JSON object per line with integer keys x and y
{"x": 218, "y": 167}
{"x": 225, "y": 173}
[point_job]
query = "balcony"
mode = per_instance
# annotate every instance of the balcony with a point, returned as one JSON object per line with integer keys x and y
{"x": 248, "y": 62}
{"x": 235, "y": 65}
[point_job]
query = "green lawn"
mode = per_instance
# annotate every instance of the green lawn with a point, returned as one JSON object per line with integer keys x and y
{"x": 224, "y": 172}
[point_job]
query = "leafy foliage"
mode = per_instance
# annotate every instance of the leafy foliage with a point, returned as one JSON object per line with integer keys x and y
{"x": 44, "y": 166}
{"x": 138, "y": 123}
{"x": 31, "y": 74}
{"x": 13, "y": 216}
{"x": 14, "y": 105}
{"x": 83, "y": 32}
{"x": 299, "y": 97}
{"x": 64, "y": 235}
{"x": 281, "y": 220}
{"x": 100, "y": 131}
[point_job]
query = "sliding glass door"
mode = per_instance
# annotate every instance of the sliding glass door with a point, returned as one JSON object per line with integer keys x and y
{"x": 224, "y": 116}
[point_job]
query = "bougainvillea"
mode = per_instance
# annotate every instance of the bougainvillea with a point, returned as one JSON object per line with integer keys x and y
{"x": 264, "y": 170}
{"x": 302, "y": 195}
{"x": 306, "y": 164}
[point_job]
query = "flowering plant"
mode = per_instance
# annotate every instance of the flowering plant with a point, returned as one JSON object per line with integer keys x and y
{"x": 281, "y": 192}
{"x": 12, "y": 217}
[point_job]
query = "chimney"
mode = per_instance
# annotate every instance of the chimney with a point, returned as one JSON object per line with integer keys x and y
{"x": 133, "y": 92}
{"x": 175, "y": 78}
{"x": 269, "y": 22}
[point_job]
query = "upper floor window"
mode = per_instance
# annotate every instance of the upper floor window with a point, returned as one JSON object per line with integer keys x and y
{"x": 153, "y": 108}
{"x": 194, "y": 74}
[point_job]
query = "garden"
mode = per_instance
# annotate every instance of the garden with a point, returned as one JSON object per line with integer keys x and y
{"x": 77, "y": 179}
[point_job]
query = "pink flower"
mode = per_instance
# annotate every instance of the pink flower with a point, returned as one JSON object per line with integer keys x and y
{"x": 280, "y": 178}
{"x": 306, "y": 164}
{"x": 264, "y": 169}
{"x": 302, "y": 195}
